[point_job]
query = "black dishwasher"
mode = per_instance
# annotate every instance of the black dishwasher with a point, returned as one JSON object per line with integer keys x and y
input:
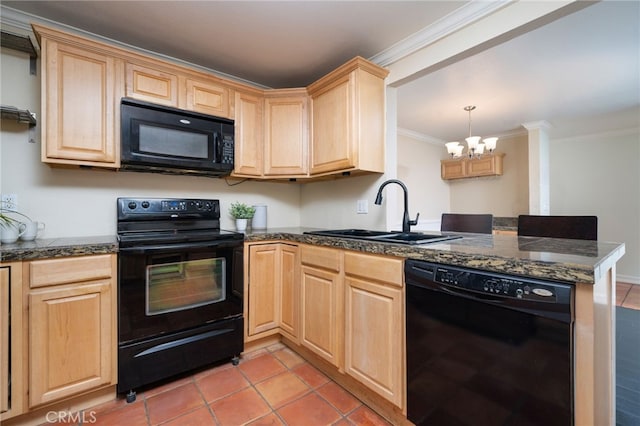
{"x": 486, "y": 348}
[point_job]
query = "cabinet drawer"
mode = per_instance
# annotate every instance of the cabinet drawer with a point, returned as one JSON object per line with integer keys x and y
{"x": 68, "y": 270}
{"x": 321, "y": 257}
{"x": 377, "y": 268}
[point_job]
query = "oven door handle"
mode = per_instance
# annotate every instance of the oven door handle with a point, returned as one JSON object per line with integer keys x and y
{"x": 174, "y": 247}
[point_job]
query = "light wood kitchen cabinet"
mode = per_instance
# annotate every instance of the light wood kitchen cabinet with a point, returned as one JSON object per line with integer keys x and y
{"x": 172, "y": 86}
{"x": 489, "y": 165}
{"x": 374, "y": 324}
{"x": 348, "y": 119}
{"x": 263, "y": 288}
{"x": 273, "y": 290}
{"x": 5, "y": 342}
{"x": 249, "y": 113}
{"x": 12, "y": 342}
{"x": 152, "y": 84}
{"x": 286, "y": 134}
{"x": 81, "y": 89}
{"x": 289, "y": 320}
{"x": 72, "y": 326}
{"x": 321, "y": 301}
{"x": 207, "y": 97}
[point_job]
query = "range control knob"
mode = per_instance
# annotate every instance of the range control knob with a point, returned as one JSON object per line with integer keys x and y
{"x": 132, "y": 205}
{"x": 145, "y": 204}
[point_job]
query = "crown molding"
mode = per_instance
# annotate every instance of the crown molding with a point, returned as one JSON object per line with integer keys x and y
{"x": 629, "y": 131}
{"x": 537, "y": 125}
{"x": 420, "y": 136}
{"x": 460, "y": 18}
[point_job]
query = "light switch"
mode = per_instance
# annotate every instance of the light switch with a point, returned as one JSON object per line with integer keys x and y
{"x": 362, "y": 207}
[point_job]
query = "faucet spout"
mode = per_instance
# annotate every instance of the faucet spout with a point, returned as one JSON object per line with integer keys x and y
{"x": 406, "y": 222}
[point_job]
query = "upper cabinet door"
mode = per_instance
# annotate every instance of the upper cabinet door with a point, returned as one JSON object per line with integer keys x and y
{"x": 348, "y": 125}
{"x": 207, "y": 97}
{"x": 332, "y": 132}
{"x": 248, "y": 159}
{"x": 80, "y": 96}
{"x": 152, "y": 85}
{"x": 286, "y": 137}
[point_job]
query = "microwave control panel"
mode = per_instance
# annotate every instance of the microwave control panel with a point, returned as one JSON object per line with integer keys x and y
{"x": 227, "y": 149}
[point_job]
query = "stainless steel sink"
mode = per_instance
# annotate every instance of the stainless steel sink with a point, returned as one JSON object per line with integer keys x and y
{"x": 416, "y": 238}
{"x": 387, "y": 237}
{"x": 350, "y": 233}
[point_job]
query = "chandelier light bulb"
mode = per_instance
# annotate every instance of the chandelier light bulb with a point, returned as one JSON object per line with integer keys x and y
{"x": 451, "y": 147}
{"x": 490, "y": 143}
{"x": 474, "y": 146}
{"x": 472, "y": 142}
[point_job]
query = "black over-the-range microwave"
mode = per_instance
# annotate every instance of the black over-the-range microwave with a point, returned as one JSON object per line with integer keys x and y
{"x": 162, "y": 139}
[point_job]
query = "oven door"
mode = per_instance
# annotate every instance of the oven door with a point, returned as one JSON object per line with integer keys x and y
{"x": 168, "y": 288}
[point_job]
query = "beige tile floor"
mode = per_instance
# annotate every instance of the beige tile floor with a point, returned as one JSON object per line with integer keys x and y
{"x": 272, "y": 386}
{"x": 628, "y": 295}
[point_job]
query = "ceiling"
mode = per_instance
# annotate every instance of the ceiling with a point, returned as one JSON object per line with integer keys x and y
{"x": 582, "y": 66}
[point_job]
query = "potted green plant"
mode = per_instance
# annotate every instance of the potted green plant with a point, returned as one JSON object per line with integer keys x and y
{"x": 241, "y": 213}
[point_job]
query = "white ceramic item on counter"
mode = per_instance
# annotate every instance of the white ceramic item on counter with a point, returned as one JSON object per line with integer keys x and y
{"x": 259, "y": 220}
{"x": 31, "y": 230}
{"x": 10, "y": 232}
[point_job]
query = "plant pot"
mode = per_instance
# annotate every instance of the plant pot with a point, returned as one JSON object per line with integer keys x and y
{"x": 241, "y": 225}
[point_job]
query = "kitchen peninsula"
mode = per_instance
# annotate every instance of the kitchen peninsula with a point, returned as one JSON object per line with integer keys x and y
{"x": 290, "y": 274}
{"x": 589, "y": 265}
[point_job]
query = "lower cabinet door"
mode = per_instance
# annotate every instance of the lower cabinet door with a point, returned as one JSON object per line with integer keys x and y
{"x": 263, "y": 288}
{"x": 290, "y": 291}
{"x": 320, "y": 323}
{"x": 374, "y": 337}
{"x": 5, "y": 341}
{"x": 70, "y": 336}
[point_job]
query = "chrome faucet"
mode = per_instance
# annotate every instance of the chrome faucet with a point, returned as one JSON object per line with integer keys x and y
{"x": 406, "y": 222}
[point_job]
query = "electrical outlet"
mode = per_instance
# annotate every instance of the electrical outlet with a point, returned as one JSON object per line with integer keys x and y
{"x": 9, "y": 201}
{"x": 362, "y": 207}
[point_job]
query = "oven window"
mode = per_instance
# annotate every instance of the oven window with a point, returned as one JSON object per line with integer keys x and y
{"x": 173, "y": 142}
{"x": 178, "y": 286}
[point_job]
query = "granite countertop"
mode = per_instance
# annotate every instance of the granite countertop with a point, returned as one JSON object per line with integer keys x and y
{"x": 58, "y": 247}
{"x": 555, "y": 259}
{"x": 505, "y": 224}
{"x": 575, "y": 261}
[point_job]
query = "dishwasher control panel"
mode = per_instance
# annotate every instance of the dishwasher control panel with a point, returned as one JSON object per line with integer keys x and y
{"x": 495, "y": 284}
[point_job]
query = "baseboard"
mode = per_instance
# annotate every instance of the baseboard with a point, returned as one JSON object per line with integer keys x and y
{"x": 628, "y": 279}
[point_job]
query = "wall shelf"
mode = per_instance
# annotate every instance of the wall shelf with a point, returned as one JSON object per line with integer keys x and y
{"x": 489, "y": 165}
{"x": 22, "y": 44}
{"x": 20, "y": 115}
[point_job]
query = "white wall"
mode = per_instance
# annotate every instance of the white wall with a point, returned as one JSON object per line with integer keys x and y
{"x": 599, "y": 174}
{"x": 332, "y": 204}
{"x": 419, "y": 169}
{"x": 79, "y": 202}
{"x": 502, "y": 196}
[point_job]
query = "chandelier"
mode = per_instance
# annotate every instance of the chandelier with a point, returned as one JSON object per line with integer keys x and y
{"x": 475, "y": 148}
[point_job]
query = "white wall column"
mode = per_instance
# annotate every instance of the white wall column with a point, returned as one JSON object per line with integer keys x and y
{"x": 392, "y": 193}
{"x": 538, "y": 167}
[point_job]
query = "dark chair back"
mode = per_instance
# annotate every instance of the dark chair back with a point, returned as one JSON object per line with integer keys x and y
{"x": 574, "y": 227}
{"x": 478, "y": 223}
